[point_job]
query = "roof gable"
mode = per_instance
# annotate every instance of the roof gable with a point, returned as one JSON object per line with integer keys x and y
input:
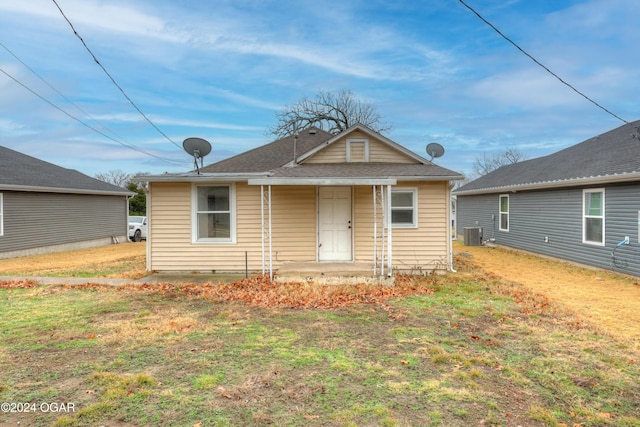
{"x": 389, "y": 152}
{"x": 614, "y": 155}
{"x": 21, "y": 172}
{"x": 276, "y": 160}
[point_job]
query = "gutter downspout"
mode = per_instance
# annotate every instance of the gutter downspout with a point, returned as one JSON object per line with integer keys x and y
{"x": 450, "y": 232}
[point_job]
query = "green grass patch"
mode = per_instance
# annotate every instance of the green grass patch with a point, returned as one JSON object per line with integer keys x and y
{"x": 462, "y": 356}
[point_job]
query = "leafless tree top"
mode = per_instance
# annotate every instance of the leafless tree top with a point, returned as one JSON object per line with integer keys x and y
{"x": 329, "y": 111}
{"x": 485, "y": 164}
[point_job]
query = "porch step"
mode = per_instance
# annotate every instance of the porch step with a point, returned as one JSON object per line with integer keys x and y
{"x": 333, "y": 273}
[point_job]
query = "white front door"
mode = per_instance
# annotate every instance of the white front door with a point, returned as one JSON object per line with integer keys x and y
{"x": 334, "y": 224}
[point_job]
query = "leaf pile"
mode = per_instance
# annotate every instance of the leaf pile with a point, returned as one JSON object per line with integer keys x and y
{"x": 18, "y": 284}
{"x": 261, "y": 292}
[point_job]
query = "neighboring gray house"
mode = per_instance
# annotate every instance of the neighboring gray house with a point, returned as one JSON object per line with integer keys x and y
{"x": 578, "y": 204}
{"x": 47, "y": 208}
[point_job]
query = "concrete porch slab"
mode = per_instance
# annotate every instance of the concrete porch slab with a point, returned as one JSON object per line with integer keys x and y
{"x": 330, "y": 273}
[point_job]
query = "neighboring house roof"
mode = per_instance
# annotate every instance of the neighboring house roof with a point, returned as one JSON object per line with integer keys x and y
{"x": 613, "y": 156}
{"x": 275, "y": 163}
{"x": 19, "y": 172}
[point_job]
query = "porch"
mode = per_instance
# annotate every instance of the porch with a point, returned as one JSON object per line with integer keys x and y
{"x": 333, "y": 273}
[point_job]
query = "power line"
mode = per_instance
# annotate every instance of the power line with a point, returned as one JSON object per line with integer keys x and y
{"x": 112, "y": 79}
{"x": 57, "y": 91}
{"x": 540, "y": 64}
{"x": 82, "y": 122}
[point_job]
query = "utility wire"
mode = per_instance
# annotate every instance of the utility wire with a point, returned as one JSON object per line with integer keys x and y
{"x": 112, "y": 79}
{"x": 58, "y": 92}
{"x": 540, "y": 64}
{"x": 82, "y": 122}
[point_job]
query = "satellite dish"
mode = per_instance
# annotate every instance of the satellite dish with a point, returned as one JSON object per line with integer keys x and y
{"x": 198, "y": 148}
{"x": 435, "y": 150}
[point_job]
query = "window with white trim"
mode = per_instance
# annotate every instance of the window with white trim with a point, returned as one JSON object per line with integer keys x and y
{"x": 593, "y": 216}
{"x": 404, "y": 208}
{"x": 214, "y": 214}
{"x": 1, "y": 214}
{"x": 504, "y": 212}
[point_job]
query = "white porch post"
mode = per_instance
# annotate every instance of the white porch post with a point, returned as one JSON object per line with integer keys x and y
{"x": 375, "y": 231}
{"x": 262, "y": 225}
{"x": 390, "y": 235}
{"x": 270, "y": 249}
{"x": 266, "y": 230}
{"x": 384, "y": 231}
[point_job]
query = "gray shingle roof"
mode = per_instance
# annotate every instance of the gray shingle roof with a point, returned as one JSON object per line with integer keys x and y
{"x": 269, "y": 156}
{"x": 608, "y": 156}
{"x": 19, "y": 171}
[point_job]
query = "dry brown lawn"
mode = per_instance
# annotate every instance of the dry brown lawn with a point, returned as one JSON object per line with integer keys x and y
{"x": 126, "y": 260}
{"x": 609, "y": 301}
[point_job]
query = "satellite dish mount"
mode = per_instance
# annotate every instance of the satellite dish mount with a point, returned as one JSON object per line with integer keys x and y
{"x": 198, "y": 148}
{"x": 435, "y": 150}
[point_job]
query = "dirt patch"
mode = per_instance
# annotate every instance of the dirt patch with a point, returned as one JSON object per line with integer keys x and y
{"x": 609, "y": 300}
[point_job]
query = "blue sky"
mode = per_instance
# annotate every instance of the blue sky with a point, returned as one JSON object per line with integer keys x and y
{"x": 221, "y": 70}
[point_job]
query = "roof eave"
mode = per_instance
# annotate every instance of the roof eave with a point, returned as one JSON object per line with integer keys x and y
{"x": 431, "y": 178}
{"x": 194, "y": 177}
{"x": 322, "y": 181}
{"x": 574, "y": 182}
{"x": 37, "y": 189}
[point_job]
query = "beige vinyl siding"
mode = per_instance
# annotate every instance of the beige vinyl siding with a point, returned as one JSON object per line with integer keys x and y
{"x": 294, "y": 229}
{"x": 294, "y": 223}
{"x": 172, "y": 249}
{"x": 379, "y": 152}
{"x": 424, "y": 247}
{"x": 334, "y": 153}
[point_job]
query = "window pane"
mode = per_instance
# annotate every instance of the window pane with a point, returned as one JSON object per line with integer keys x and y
{"x": 216, "y": 225}
{"x": 402, "y": 199}
{"x": 213, "y": 199}
{"x": 504, "y": 221}
{"x": 504, "y": 204}
{"x": 402, "y": 216}
{"x": 593, "y": 232}
{"x": 593, "y": 204}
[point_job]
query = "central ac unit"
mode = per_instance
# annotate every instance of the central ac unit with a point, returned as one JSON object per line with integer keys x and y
{"x": 473, "y": 236}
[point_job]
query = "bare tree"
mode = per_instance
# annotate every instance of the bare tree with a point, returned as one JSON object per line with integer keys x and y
{"x": 485, "y": 164}
{"x": 329, "y": 111}
{"x": 116, "y": 177}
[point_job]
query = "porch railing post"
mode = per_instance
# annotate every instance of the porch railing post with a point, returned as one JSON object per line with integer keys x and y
{"x": 375, "y": 231}
{"x": 390, "y": 235}
{"x": 270, "y": 248}
{"x": 262, "y": 225}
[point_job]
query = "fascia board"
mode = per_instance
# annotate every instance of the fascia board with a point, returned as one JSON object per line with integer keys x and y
{"x": 575, "y": 182}
{"x": 35, "y": 189}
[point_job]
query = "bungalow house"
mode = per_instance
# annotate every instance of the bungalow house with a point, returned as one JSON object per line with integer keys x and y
{"x": 353, "y": 198}
{"x": 581, "y": 204}
{"x": 47, "y": 208}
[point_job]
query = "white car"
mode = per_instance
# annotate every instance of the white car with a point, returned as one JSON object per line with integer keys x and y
{"x": 137, "y": 228}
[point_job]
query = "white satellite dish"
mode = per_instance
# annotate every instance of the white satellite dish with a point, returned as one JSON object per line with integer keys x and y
{"x": 198, "y": 148}
{"x": 435, "y": 150}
